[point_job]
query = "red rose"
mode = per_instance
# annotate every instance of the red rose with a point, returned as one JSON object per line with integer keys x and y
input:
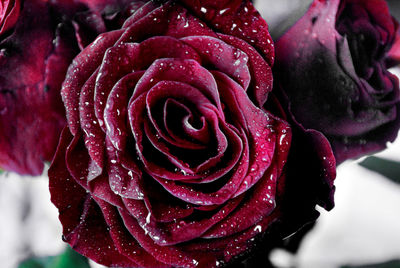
{"x": 168, "y": 158}
{"x": 333, "y": 66}
{"x": 9, "y": 13}
{"x": 34, "y": 58}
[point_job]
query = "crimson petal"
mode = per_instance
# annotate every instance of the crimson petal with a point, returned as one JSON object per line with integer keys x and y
{"x": 79, "y": 215}
{"x": 217, "y": 53}
{"x": 81, "y": 68}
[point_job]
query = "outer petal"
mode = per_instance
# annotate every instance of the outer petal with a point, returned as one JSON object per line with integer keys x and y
{"x": 84, "y": 225}
{"x": 237, "y": 18}
{"x": 79, "y": 71}
{"x": 300, "y": 189}
{"x": 9, "y": 13}
{"x": 261, "y": 80}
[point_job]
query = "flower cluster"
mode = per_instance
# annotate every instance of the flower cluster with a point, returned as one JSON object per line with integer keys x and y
{"x": 180, "y": 144}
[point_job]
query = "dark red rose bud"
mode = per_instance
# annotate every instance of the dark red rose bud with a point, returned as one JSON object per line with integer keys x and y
{"x": 34, "y": 58}
{"x": 332, "y": 65}
{"x": 9, "y": 13}
{"x": 170, "y": 157}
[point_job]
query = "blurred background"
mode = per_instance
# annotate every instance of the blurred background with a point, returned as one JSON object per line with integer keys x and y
{"x": 363, "y": 230}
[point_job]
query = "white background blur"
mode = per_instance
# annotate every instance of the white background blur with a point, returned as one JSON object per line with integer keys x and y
{"x": 364, "y": 226}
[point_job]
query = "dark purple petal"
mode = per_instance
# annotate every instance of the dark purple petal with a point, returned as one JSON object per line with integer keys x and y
{"x": 339, "y": 84}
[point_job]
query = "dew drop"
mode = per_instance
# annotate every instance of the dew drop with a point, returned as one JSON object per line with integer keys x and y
{"x": 254, "y": 168}
{"x": 221, "y": 12}
{"x": 148, "y": 218}
{"x": 258, "y": 228}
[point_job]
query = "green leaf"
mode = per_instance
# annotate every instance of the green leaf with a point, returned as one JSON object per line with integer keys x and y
{"x": 387, "y": 168}
{"x": 68, "y": 259}
{"x": 37, "y": 262}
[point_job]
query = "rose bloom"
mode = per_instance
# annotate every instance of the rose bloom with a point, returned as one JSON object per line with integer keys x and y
{"x": 169, "y": 158}
{"x": 35, "y": 52}
{"x": 9, "y": 12}
{"x": 332, "y": 65}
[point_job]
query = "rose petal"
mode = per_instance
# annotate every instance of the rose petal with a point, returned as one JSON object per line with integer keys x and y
{"x": 78, "y": 214}
{"x": 168, "y": 91}
{"x": 163, "y": 206}
{"x": 166, "y": 69}
{"x": 117, "y": 62}
{"x": 258, "y": 126}
{"x": 236, "y": 18}
{"x": 90, "y": 124}
{"x": 115, "y": 112}
{"x": 197, "y": 129}
{"x": 222, "y": 56}
{"x": 183, "y": 229}
{"x": 141, "y": 12}
{"x": 9, "y": 14}
{"x": 123, "y": 240}
{"x": 261, "y": 79}
{"x": 159, "y": 47}
{"x": 123, "y": 182}
{"x": 180, "y": 24}
{"x": 79, "y": 71}
{"x": 171, "y": 255}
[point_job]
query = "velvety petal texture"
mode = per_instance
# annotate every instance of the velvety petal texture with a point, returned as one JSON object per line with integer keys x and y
{"x": 171, "y": 151}
{"x": 332, "y": 65}
{"x": 34, "y": 56}
{"x": 9, "y": 13}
